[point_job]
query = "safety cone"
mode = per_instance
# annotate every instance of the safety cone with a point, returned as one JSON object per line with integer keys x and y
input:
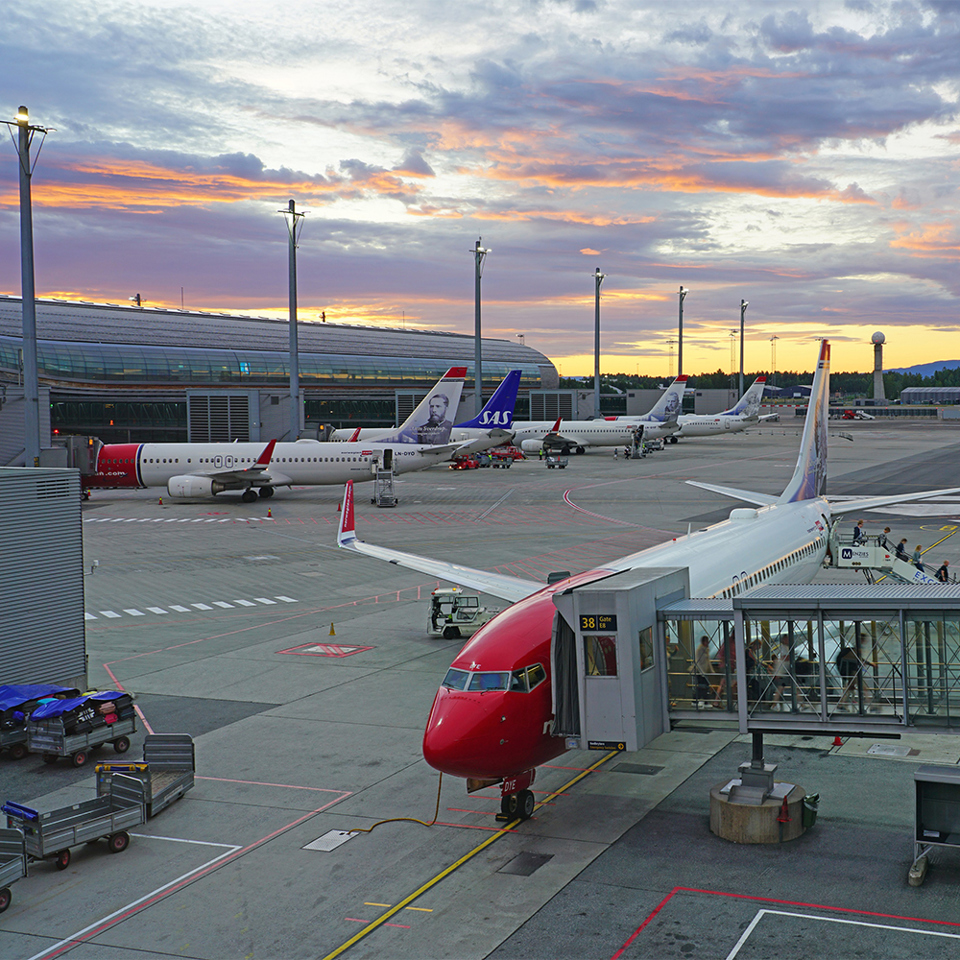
{"x": 339, "y": 506}
{"x": 837, "y": 742}
{"x": 269, "y": 512}
{"x": 160, "y": 502}
{"x": 332, "y": 632}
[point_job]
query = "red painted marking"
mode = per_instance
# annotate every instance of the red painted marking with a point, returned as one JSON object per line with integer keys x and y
{"x": 324, "y": 650}
{"x": 783, "y": 903}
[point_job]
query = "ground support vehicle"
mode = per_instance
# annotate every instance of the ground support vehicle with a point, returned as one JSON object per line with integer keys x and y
{"x": 50, "y": 835}
{"x": 502, "y": 463}
{"x": 464, "y": 463}
{"x": 454, "y": 613}
{"x": 167, "y": 771}
{"x": 554, "y": 461}
{"x": 13, "y": 862}
{"x": 49, "y": 737}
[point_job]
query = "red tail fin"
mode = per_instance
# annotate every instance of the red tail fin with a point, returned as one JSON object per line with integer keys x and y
{"x": 267, "y": 455}
{"x": 346, "y": 533}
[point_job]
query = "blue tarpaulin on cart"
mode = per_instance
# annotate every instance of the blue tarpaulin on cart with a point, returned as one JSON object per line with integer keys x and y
{"x": 59, "y": 707}
{"x": 15, "y": 694}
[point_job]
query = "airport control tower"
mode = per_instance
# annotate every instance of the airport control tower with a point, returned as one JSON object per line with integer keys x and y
{"x": 878, "y": 340}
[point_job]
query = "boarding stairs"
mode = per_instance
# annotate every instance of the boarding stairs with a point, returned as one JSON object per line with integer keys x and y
{"x": 871, "y": 558}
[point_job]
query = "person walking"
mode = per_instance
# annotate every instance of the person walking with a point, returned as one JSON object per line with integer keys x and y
{"x": 943, "y": 575}
{"x": 917, "y": 558}
{"x": 702, "y": 668}
{"x": 901, "y": 550}
{"x": 882, "y": 540}
{"x": 859, "y": 534}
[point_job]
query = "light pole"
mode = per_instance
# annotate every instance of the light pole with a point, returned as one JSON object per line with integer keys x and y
{"x": 682, "y": 295}
{"x": 670, "y": 344}
{"x": 522, "y": 340}
{"x": 294, "y": 222}
{"x": 773, "y": 356}
{"x": 743, "y": 309}
{"x": 598, "y": 279}
{"x": 479, "y": 256}
{"x": 28, "y": 293}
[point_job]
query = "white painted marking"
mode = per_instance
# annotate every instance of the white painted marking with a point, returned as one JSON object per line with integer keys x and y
{"x": 851, "y": 923}
{"x": 329, "y": 841}
{"x": 186, "y": 876}
{"x": 288, "y": 599}
{"x": 117, "y": 520}
{"x": 156, "y": 610}
{"x": 201, "y": 606}
{"x": 223, "y": 603}
{"x": 245, "y": 603}
{"x": 178, "y": 608}
{"x": 131, "y": 520}
{"x": 89, "y": 616}
{"x": 134, "y": 612}
{"x": 201, "y": 843}
{"x": 109, "y": 613}
{"x": 146, "y": 520}
{"x": 272, "y": 603}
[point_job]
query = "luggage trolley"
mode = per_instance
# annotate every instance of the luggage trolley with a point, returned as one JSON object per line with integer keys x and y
{"x": 13, "y": 862}
{"x": 72, "y": 728}
{"x": 50, "y": 835}
{"x": 17, "y": 702}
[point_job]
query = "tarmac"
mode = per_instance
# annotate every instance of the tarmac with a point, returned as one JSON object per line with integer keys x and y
{"x": 305, "y": 676}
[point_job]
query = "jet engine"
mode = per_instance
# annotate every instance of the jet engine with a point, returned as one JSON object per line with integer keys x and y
{"x": 193, "y": 486}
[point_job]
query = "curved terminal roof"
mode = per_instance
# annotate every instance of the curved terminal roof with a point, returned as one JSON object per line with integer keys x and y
{"x": 91, "y": 343}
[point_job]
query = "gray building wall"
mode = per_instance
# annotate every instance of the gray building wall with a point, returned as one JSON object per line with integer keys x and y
{"x": 42, "y": 636}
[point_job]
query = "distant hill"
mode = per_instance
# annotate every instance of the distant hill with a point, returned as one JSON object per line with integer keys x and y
{"x": 926, "y": 369}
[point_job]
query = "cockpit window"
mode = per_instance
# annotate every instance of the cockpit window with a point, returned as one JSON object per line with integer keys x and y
{"x": 518, "y": 681}
{"x": 536, "y": 675}
{"x": 456, "y": 679}
{"x": 489, "y": 681}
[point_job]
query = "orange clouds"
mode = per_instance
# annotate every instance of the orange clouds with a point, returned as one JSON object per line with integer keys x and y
{"x": 932, "y": 239}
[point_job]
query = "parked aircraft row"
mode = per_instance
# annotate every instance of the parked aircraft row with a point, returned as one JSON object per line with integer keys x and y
{"x": 492, "y": 720}
{"x": 427, "y": 437}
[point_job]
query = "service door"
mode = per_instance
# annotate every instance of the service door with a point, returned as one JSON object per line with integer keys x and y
{"x": 602, "y": 706}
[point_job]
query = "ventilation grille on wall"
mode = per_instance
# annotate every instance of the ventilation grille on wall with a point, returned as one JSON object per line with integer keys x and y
{"x": 548, "y": 405}
{"x": 218, "y": 418}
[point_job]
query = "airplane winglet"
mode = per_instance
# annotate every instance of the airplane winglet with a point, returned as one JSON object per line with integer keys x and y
{"x": 346, "y": 535}
{"x": 264, "y": 459}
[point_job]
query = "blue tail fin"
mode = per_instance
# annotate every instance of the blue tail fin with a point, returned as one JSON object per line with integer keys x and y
{"x": 810, "y": 476}
{"x": 498, "y": 411}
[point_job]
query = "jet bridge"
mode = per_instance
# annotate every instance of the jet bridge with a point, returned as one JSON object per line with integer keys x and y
{"x": 849, "y": 660}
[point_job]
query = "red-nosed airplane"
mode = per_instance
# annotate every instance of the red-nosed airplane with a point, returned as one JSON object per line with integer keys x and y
{"x": 491, "y": 720}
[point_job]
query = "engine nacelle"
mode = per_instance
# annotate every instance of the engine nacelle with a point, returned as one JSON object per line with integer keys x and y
{"x": 531, "y": 446}
{"x": 193, "y": 486}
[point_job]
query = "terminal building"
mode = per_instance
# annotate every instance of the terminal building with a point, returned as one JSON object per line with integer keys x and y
{"x": 131, "y": 373}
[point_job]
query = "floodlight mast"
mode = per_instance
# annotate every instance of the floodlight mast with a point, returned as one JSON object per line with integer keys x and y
{"x": 598, "y": 280}
{"x": 28, "y": 293}
{"x": 682, "y": 296}
{"x": 294, "y": 226}
{"x": 743, "y": 309}
{"x": 479, "y": 255}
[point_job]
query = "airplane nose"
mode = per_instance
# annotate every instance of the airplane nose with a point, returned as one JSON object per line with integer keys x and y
{"x": 455, "y": 740}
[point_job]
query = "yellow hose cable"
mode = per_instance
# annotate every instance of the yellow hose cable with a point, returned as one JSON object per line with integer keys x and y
{"x": 436, "y": 813}
{"x": 433, "y": 881}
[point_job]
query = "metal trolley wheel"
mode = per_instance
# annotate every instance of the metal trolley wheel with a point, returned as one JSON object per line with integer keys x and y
{"x": 121, "y": 744}
{"x": 5, "y": 898}
{"x": 118, "y": 842}
{"x": 63, "y": 859}
{"x": 79, "y": 758}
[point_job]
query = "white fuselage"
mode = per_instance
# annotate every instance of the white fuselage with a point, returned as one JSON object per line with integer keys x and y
{"x": 700, "y": 425}
{"x": 590, "y": 433}
{"x": 475, "y": 439}
{"x": 303, "y": 462}
{"x": 780, "y": 543}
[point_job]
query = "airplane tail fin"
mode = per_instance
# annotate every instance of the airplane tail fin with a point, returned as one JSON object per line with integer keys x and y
{"x": 749, "y": 404}
{"x": 433, "y": 417}
{"x": 810, "y": 476}
{"x": 670, "y": 405}
{"x": 347, "y": 533}
{"x": 498, "y": 411}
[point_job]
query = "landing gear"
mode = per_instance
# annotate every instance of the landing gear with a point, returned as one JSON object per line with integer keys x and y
{"x": 580, "y": 450}
{"x": 249, "y": 495}
{"x": 519, "y": 805}
{"x": 672, "y": 440}
{"x": 266, "y": 493}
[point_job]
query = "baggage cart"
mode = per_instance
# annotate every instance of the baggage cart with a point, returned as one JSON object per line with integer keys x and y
{"x": 50, "y": 835}
{"x": 13, "y": 862}
{"x": 72, "y": 728}
{"x": 167, "y": 771}
{"x": 554, "y": 461}
{"x": 16, "y": 703}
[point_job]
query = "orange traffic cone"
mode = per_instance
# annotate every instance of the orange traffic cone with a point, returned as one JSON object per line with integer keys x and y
{"x": 332, "y": 632}
{"x": 269, "y": 512}
{"x": 160, "y": 502}
{"x": 837, "y": 742}
{"x": 339, "y": 506}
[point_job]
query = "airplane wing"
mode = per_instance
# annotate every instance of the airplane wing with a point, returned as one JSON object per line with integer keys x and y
{"x": 870, "y": 503}
{"x": 255, "y": 472}
{"x": 443, "y": 451}
{"x": 496, "y": 584}
{"x": 760, "y": 499}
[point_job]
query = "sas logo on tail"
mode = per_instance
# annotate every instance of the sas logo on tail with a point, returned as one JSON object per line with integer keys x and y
{"x": 495, "y": 418}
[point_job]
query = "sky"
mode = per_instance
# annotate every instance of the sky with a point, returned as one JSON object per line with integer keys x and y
{"x": 801, "y": 156}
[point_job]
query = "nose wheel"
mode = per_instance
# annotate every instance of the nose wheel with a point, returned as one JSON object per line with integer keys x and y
{"x": 517, "y": 805}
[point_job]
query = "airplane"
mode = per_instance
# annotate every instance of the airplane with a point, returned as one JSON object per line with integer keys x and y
{"x": 192, "y": 470}
{"x": 743, "y": 414}
{"x": 492, "y": 717}
{"x": 577, "y": 435}
{"x": 489, "y": 428}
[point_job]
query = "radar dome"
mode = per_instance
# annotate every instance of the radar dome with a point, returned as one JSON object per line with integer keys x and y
{"x": 878, "y": 337}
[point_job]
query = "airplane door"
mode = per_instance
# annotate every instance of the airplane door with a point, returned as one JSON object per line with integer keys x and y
{"x": 388, "y": 459}
{"x": 602, "y": 702}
